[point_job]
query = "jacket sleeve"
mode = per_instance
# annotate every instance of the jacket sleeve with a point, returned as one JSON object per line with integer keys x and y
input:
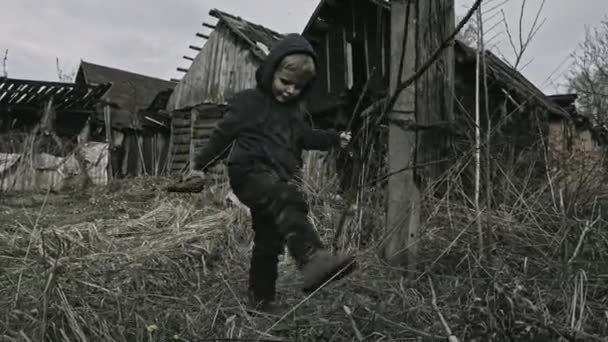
{"x": 220, "y": 140}
{"x": 317, "y": 139}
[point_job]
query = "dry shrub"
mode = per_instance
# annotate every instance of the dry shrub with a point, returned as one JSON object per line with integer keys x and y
{"x": 129, "y": 262}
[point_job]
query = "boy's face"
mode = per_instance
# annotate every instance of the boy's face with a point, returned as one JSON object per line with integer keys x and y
{"x": 287, "y": 85}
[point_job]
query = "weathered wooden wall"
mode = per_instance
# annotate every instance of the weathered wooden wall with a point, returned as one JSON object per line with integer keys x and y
{"x": 352, "y": 43}
{"x": 435, "y": 89}
{"x": 223, "y": 67}
{"x": 191, "y": 130}
{"x": 576, "y": 157}
{"x": 136, "y": 153}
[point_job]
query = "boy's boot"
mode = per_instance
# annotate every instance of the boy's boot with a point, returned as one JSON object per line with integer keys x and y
{"x": 322, "y": 266}
{"x": 316, "y": 264}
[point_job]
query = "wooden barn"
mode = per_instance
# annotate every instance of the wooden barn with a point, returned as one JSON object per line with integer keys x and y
{"x": 224, "y": 65}
{"x": 135, "y": 126}
{"x": 353, "y": 39}
{"x": 48, "y": 133}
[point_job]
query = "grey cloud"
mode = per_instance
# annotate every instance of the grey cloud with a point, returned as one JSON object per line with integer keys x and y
{"x": 151, "y": 36}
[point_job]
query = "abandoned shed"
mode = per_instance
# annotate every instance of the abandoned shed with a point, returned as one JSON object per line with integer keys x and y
{"x": 135, "y": 126}
{"x": 352, "y": 39}
{"x": 577, "y": 147}
{"x": 223, "y": 66}
{"x": 47, "y": 134}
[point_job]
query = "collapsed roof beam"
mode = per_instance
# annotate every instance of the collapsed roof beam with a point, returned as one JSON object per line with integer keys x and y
{"x": 320, "y": 25}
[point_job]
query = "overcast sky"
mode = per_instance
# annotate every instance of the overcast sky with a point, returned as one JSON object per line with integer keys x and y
{"x": 151, "y": 36}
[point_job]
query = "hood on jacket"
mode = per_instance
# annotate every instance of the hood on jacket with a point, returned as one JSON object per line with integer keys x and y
{"x": 290, "y": 44}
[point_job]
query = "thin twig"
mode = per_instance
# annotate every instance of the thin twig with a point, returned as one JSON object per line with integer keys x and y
{"x": 444, "y": 323}
{"x": 579, "y": 245}
{"x": 349, "y": 314}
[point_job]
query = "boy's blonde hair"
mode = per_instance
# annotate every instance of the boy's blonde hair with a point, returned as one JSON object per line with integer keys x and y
{"x": 301, "y": 64}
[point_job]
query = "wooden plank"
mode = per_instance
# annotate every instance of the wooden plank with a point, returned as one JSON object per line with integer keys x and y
{"x": 181, "y": 127}
{"x": 205, "y": 121}
{"x": 358, "y": 46}
{"x": 181, "y": 122}
{"x": 403, "y": 215}
{"x": 434, "y": 95}
{"x": 183, "y": 155}
{"x": 202, "y": 134}
{"x": 328, "y": 61}
{"x": 182, "y": 158}
{"x": 107, "y": 119}
{"x": 181, "y": 149}
{"x": 200, "y": 142}
{"x": 181, "y": 139}
{"x": 181, "y": 131}
{"x": 181, "y": 116}
{"x": 211, "y": 113}
{"x": 337, "y": 57}
{"x": 200, "y": 35}
{"x": 375, "y": 37}
{"x": 193, "y": 117}
{"x": 205, "y": 126}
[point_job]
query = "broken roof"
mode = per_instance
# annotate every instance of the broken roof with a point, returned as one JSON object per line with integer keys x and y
{"x": 31, "y": 95}
{"x": 258, "y": 38}
{"x": 130, "y": 92}
{"x": 511, "y": 79}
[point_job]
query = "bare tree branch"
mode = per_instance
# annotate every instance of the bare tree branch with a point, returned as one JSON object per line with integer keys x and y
{"x": 589, "y": 79}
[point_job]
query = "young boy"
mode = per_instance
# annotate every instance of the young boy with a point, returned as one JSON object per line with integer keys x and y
{"x": 269, "y": 131}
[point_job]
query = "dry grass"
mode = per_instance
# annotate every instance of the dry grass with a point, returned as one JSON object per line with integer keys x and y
{"x": 131, "y": 263}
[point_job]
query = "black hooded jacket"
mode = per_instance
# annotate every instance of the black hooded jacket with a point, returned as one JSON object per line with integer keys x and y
{"x": 268, "y": 135}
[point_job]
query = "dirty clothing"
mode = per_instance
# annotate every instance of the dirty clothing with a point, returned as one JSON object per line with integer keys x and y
{"x": 269, "y": 138}
{"x": 279, "y": 217}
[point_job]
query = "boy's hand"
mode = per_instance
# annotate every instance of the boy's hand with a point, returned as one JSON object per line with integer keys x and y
{"x": 345, "y": 138}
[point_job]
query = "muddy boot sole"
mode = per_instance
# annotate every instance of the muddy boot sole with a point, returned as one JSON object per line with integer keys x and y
{"x": 328, "y": 267}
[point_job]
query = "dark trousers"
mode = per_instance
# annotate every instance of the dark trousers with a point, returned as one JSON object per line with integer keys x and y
{"x": 279, "y": 217}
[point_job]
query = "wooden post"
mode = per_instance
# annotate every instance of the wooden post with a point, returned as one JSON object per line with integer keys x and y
{"x": 192, "y": 151}
{"x": 403, "y": 214}
{"x": 107, "y": 119}
{"x": 428, "y": 102}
